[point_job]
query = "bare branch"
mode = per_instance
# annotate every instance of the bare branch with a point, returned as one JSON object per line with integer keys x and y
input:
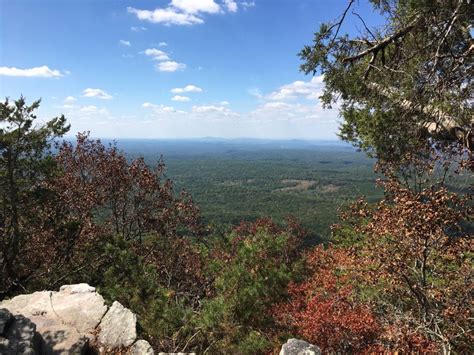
{"x": 363, "y": 22}
{"x": 339, "y": 24}
{"x": 383, "y": 43}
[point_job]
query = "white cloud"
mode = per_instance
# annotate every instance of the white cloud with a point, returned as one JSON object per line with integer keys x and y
{"x": 309, "y": 89}
{"x": 206, "y": 108}
{"x": 214, "y": 111}
{"x": 156, "y": 54}
{"x": 85, "y": 111}
{"x": 295, "y": 112}
{"x": 180, "y": 98}
{"x": 153, "y": 52}
{"x": 170, "y": 66}
{"x": 187, "y": 88}
{"x": 224, "y": 103}
{"x": 138, "y": 28}
{"x": 160, "y": 109}
{"x": 97, "y": 93}
{"x": 70, "y": 99}
{"x": 163, "y": 44}
{"x": 197, "y": 112}
{"x": 88, "y": 118}
{"x": 185, "y": 12}
{"x": 195, "y": 6}
{"x": 276, "y": 106}
{"x": 256, "y": 92}
{"x": 247, "y": 4}
{"x": 166, "y": 65}
{"x": 92, "y": 110}
{"x": 168, "y": 16}
{"x": 66, "y": 106}
{"x": 37, "y": 72}
{"x": 231, "y": 5}
{"x": 125, "y": 43}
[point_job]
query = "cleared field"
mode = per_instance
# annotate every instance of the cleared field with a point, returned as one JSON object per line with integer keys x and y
{"x": 296, "y": 185}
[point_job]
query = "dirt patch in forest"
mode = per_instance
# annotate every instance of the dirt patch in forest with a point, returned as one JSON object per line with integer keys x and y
{"x": 305, "y": 185}
{"x": 330, "y": 188}
{"x": 297, "y": 185}
{"x": 231, "y": 183}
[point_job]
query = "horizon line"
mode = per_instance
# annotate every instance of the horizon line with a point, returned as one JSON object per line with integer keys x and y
{"x": 217, "y": 138}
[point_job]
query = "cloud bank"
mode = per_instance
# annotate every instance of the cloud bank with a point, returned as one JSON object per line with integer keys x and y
{"x": 36, "y": 72}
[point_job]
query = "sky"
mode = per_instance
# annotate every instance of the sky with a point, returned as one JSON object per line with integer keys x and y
{"x": 170, "y": 68}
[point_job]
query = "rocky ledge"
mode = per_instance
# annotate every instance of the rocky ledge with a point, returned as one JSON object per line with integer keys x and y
{"x": 74, "y": 320}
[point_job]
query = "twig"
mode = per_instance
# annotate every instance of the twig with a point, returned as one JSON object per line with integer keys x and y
{"x": 383, "y": 43}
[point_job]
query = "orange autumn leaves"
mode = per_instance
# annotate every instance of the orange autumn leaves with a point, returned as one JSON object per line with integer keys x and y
{"x": 323, "y": 309}
{"x": 396, "y": 279}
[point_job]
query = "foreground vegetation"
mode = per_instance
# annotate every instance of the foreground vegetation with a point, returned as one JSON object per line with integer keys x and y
{"x": 397, "y": 275}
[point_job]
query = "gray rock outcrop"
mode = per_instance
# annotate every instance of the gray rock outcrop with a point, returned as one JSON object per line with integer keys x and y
{"x": 66, "y": 322}
{"x": 141, "y": 347}
{"x": 117, "y": 328}
{"x": 299, "y": 347}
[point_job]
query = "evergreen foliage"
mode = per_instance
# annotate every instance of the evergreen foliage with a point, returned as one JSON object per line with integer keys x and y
{"x": 404, "y": 84}
{"x": 24, "y": 165}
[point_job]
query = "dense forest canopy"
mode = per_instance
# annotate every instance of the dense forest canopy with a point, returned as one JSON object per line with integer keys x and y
{"x": 397, "y": 274}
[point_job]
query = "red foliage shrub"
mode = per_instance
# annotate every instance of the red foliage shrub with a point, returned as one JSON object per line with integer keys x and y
{"x": 397, "y": 280}
{"x": 101, "y": 188}
{"x": 104, "y": 194}
{"x": 323, "y": 309}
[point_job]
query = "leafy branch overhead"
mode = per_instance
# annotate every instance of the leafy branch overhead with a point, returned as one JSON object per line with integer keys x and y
{"x": 403, "y": 84}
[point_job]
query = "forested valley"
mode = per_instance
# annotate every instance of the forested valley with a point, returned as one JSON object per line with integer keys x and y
{"x": 243, "y": 180}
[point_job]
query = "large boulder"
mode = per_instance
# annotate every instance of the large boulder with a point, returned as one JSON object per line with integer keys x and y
{"x": 299, "y": 347}
{"x": 118, "y": 327}
{"x": 67, "y": 322}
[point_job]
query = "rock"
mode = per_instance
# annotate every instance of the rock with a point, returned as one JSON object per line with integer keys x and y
{"x": 65, "y": 320}
{"x": 70, "y": 321}
{"x": 141, "y": 347}
{"x": 299, "y": 347}
{"x": 19, "y": 337}
{"x": 82, "y": 310}
{"x": 78, "y": 288}
{"x": 5, "y": 318}
{"x": 33, "y": 304}
{"x": 118, "y": 327}
{"x": 60, "y": 339}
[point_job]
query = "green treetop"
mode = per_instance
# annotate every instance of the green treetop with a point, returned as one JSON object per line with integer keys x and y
{"x": 405, "y": 84}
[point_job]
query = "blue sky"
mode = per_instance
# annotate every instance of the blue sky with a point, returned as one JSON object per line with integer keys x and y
{"x": 170, "y": 68}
